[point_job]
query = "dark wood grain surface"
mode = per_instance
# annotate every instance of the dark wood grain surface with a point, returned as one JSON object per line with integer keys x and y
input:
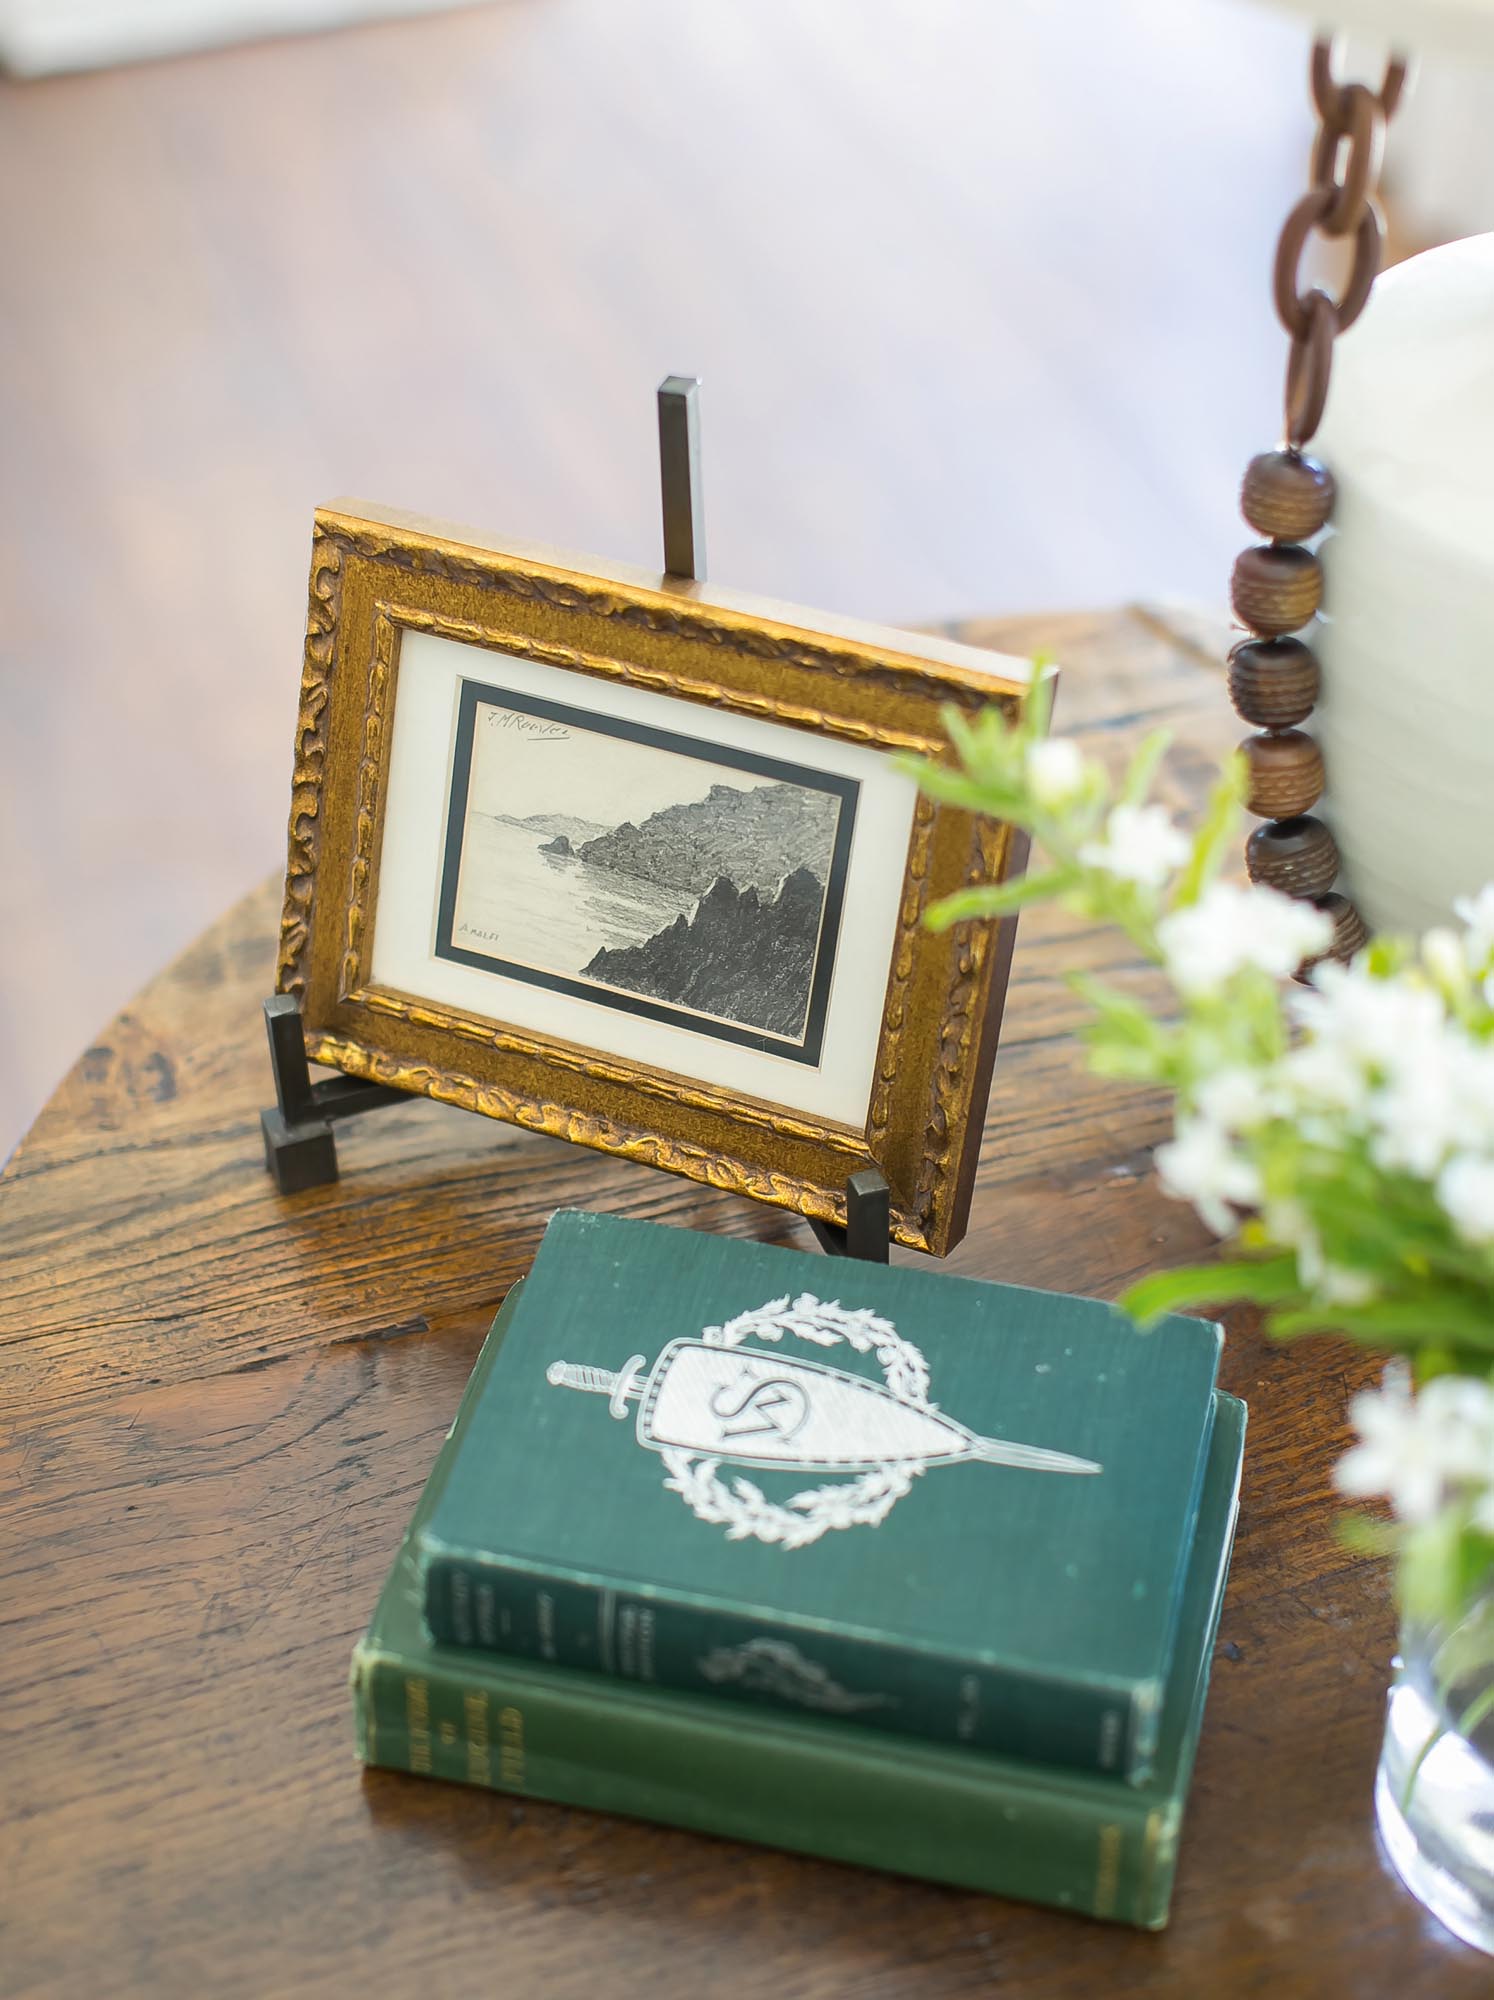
{"x": 217, "y": 1407}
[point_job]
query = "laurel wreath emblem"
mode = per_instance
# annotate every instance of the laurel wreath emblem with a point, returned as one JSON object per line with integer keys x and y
{"x": 741, "y": 1507}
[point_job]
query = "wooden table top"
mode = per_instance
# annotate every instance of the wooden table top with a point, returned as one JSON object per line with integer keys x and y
{"x": 217, "y": 1409}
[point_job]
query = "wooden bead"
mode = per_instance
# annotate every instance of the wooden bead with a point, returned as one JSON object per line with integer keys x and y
{"x": 1273, "y": 682}
{"x": 1350, "y": 931}
{"x": 1284, "y": 773}
{"x": 1286, "y": 496}
{"x": 1297, "y": 856}
{"x": 1276, "y": 590}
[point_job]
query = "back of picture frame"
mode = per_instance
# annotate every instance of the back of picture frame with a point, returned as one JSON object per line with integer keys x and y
{"x": 634, "y": 862}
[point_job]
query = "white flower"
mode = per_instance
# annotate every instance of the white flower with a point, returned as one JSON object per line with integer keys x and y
{"x": 1444, "y": 958}
{"x": 1056, "y": 771}
{"x": 1332, "y": 1284}
{"x": 1387, "y": 1053}
{"x": 1372, "y": 1021}
{"x": 1141, "y": 844}
{"x": 1239, "y": 1099}
{"x": 1320, "y": 1075}
{"x": 1229, "y": 928}
{"x": 1438, "y": 1098}
{"x": 1416, "y": 1449}
{"x": 1477, "y": 913}
{"x": 1287, "y": 1223}
{"x": 1416, "y": 1115}
{"x": 1465, "y": 1188}
{"x": 1200, "y": 1165}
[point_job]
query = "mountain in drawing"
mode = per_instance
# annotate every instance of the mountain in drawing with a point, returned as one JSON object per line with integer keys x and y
{"x": 737, "y": 955}
{"x": 754, "y": 838}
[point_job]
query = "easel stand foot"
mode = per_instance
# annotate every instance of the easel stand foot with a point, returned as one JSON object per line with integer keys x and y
{"x": 868, "y": 1229}
{"x": 300, "y": 1150}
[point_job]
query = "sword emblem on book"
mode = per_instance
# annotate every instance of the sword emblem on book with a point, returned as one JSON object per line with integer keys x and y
{"x": 714, "y": 1398}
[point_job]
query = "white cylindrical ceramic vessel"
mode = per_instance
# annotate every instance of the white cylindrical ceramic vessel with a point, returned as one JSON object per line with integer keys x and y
{"x": 1406, "y": 716}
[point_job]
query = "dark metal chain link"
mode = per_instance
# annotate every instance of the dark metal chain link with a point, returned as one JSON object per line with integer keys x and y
{"x": 1328, "y": 92}
{"x": 1339, "y": 204}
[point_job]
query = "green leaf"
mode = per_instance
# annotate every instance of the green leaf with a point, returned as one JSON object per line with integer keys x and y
{"x": 1123, "y": 1039}
{"x": 1215, "y": 835}
{"x": 1434, "y": 1737}
{"x": 1398, "y": 1323}
{"x": 963, "y": 731}
{"x": 996, "y": 899}
{"x": 956, "y": 788}
{"x": 1481, "y": 1706}
{"x": 1143, "y": 767}
{"x": 1265, "y": 1281}
{"x": 1430, "y": 1573}
{"x": 1118, "y": 1012}
{"x": 1037, "y": 710}
{"x": 1368, "y": 1537}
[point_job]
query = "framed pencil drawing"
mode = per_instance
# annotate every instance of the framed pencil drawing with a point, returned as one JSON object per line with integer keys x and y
{"x": 705, "y": 891}
{"x": 631, "y": 861}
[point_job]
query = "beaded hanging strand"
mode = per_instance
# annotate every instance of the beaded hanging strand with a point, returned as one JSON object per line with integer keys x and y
{"x": 1287, "y": 497}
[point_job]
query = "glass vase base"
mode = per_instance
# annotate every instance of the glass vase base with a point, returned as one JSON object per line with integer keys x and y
{"x": 1432, "y": 1807}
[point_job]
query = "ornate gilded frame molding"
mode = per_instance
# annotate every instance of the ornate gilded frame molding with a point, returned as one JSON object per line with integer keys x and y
{"x": 375, "y": 574}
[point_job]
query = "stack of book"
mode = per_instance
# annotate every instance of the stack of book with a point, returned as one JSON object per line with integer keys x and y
{"x": 872, "y": 1563}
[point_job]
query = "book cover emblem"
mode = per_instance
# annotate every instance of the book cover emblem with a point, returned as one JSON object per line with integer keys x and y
{"x": 773, "y": 1666}
{"x": 713, "y": 1399}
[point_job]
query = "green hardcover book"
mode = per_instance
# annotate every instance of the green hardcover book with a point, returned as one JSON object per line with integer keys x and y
{"x": 1080, "y": 1842}
{"x": 924, "y": 1504}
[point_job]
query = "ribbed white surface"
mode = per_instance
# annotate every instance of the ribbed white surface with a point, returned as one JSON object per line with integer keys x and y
{"x": 1407, "y": 716}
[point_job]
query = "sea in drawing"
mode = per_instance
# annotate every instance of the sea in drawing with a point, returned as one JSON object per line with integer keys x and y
{"x": 516, "y": 897}
{"x": 713, "y": 904}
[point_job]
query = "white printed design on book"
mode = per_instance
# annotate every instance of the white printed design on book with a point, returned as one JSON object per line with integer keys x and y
{"x": 715, "y": 1399}
{"x": 773, "y": 1666}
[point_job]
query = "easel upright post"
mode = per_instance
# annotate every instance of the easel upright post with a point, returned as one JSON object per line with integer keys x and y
{"x": 679, "y": 477}
{"x": 300, "y": 1148}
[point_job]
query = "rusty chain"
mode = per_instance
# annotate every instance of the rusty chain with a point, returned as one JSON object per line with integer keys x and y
{"x": 1339, "y": 205}
{"x": 1327, "y": 91}
{"x": 1287, "y": 498}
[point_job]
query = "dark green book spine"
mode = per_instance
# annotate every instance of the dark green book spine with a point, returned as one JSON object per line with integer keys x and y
{"x": 1095, "y": 1846}
{"x": 695, "y": 1648}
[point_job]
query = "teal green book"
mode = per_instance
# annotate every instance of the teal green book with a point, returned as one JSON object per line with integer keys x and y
{"x": 816, "y": 1786}
{"x": 922, "y": 1504}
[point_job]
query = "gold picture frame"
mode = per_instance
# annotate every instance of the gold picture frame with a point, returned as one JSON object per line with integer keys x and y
{"x": 734, "y": 670}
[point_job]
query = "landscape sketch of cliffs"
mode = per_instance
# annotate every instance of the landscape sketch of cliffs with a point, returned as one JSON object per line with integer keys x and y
{"x": 642, "y": 869}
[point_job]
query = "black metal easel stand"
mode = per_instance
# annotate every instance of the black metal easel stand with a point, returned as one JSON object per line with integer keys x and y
{"x": 300, "y": 1147}
{"x": 300, "y": 1150}
{"x": 868, "y": 1230}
